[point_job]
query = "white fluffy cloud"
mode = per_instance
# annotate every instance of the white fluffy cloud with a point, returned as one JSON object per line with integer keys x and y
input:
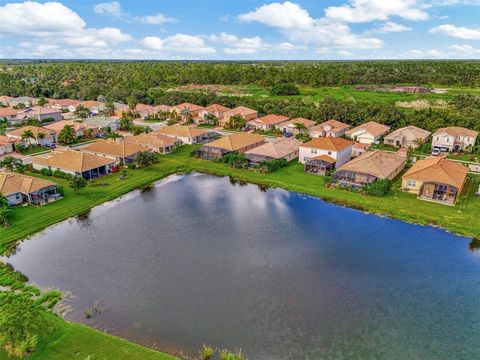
{"x": 109, "y": 8}
{"x": 157, "y": 19}
{"x": 426, "y": 54}
{"x": 178, "y": 43}
{"x": 237, "y": 45}
{"x": 391, "y": 27}
{"x": 359, "y": 11}
{"x": 287, "y": 16}
{"x": 458, "y": 32}
{"x": 464, "y": 50}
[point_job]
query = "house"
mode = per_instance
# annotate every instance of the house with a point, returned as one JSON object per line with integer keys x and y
{"x": 329, "y": 128}
{"x": 240, "y": 142}
{"x": 435, "y": 179}
{"x": 40, "y": 135}
{"x": 76, "y": 163}
{"x": 409, "y": 136}
{"x": 282, "y": 148}
{"x": 188, "y": 109}
{"x": 242, "y": 111}
{"x": 325, "y": 153}
{"x": 19, "y": 188}
{"x": 158, "y": 143}
{"x": 291, "y": 126}
{"x": 103, "y": 122}
{"x": 267, "y": 122}
{"x": 358, "y": 149}
{"x": 7, "y": 144}
{"x": 36, "y": 113}
{"x": 120, "y": 151}
{"x": 95, "y": 107}
{"x": 454, "y": 138}
{"x": 186, "y": 134}
{"x": 369, "y": 167}
{"x": 8, "y": 113}
{"x": 144, "y": 110}
{"x": 215, "y": 110}
{"x": 79, "y": 128}
{"x": 64, "y": 105}
{"x": 368, "y": 133}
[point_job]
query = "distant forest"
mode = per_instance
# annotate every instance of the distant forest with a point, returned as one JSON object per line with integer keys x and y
{"x": 146, "y": 82}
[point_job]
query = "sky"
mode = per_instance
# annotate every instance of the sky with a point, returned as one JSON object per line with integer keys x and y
{"x": 240, "y": 29}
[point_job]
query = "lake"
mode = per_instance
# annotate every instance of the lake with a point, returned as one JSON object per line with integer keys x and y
{"x": 281, "y": 275}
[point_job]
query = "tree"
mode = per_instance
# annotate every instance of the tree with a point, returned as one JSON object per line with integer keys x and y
{"x": 77, "y": 183}
{"x": 5, "y": 211}
{"x": 82, "y": 112}
{"x": 210, "y": 119}
{"x": 145, "y": 158}
{"x": 126, "y": 123}
{"x": 284, "y": 89}
{"x": 21, "y": 320}
{"x": 380, "y": 187}
{"x": 301, "y": 128}
{"x": 235, "y": 122}
{"x": 41, "y": 136}
{"x": 67, "y": 135}
{"x": 28, "y": 135}
{"x": 10, "y": 163}
{"x": 42, "y": 101}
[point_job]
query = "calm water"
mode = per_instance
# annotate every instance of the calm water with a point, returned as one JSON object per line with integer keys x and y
{"x": 281, "y": 275}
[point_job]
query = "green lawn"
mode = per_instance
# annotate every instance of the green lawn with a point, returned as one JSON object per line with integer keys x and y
{"x": 76, "y": 341}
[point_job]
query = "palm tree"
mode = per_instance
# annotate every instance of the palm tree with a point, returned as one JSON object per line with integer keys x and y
{"x": 67, "y": 135}
{"x": 40, "y": 136}
{"x": 10, "y": 163}
{"x": 28, "y": 135}
{"x": 301, "y": 128}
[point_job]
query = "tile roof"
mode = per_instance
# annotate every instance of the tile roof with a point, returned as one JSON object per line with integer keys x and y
{"x": 240, "y": 110}
{"x": 190, "y": 106}
{"x": 325, "y": 158}
{"x": 370, "y": 127}
{"x": 410, "y": 132}
{"x": 377, "y": 163}
{"x": 328, "y": 143}
{"x": 63, "y": 102}
{"x": 277, "y": 148}
{"x": 118, "y": 148}
{"x": 5, "y": 111}
{"x": 34, "y": 129}
{"x": 13, "y": 183}
{"x": 181, "y": 131}
{"x": 217, "y": 108}
{"x": 438, "y": 169}
{"x": 330, "y": 125}
{"x": 39, "y": 110}
{"x": 271, "y": 119}
{"x": 236, "y": 141}
{"x": 308, "y": 123}
{"x": 8, "y": 140}
{"x": 91, "y": 103}
{"x": 151, "y": 139}
{"x": 456, "y": 131}
{"x": 59, "y": 125}
{"x": 71, "y": 160}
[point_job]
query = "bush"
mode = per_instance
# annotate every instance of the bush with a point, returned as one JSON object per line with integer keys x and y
{"x": 273, "y": 165}
{"x": 284, "y": 89}
{"x": 46, "y": 172}
{"x": 379, "y": 188}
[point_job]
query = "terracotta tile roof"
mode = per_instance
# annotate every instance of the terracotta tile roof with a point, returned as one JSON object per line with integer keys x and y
{"x": 91, "y": 103}
{"x": 457, "y": 131}
{"x": 378, "y": 163}
{"x": 71, "y": 160}
{"x": 373, "y": 128}
{"x": 330, "y": 125}
{"x": 271, "y": 119}
{"x": 13, "y": 183}
{"x": 217, "y": 108}
{"x": 236, "y": 141}
{"x": 143, "y": 107}
{"x": 162, "y": 108}
{"x": 328, "y": 143}
{"x": 39, "y": 110}
{"x": 438, "y": 169}
{"x": 277, "y": 148}
{"x": 189, "y": 106}
{"x": 409, "y": 132}
{"x": 5, "y": 111}
{"x": 117, "y": 148}
{"x": 325, "y": 158}
{"x": 59, "y": 125}
{"x": 240, "y": 110}
{"x": 361, "y": 146}
{"x": 308, "y": 123}
{"x": 181, "y": 131}
{"x": 63, "y": 102}
{"x": 8, "y": 140}
{"x": 34, "y": 129}
{"x": 151, "y": 139}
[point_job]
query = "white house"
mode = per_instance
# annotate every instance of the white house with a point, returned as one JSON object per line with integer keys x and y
{"x": 338, "y": 149}
{"x": 453, "y": 138}
{"x": 368, "y": 133}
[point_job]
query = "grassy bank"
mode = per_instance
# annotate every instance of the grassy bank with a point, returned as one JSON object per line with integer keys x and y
{"x": 76, "y": 341}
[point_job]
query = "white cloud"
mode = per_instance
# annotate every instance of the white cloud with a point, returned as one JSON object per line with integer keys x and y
{"x": 345, "y": 53}
{"x": 359, "y": 11}
{"x": 426, "y": 54}
{"x": 237, "y": 45}
{"x": 390, "y": 27}
{"x": 459, "y": 32}
{"x": 109, "y": 8}
{"x": 464, "y": 50}
{"x": 287, "y": 15}
{"x": 157, "y": 19}
{"x": 178, "y": 43}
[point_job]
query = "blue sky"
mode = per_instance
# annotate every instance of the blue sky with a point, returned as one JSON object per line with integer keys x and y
{"x": 241, "y": 29}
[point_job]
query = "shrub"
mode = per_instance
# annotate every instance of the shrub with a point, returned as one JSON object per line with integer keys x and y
{"x": 284, "y": 89}
{"x": 379, "y": 188}
{"x": 46, "y": 172}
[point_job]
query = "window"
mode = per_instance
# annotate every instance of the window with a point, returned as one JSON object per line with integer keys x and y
{"x": 305, "y": 158}
{"x": 329, "y": 153}
{"x": 313, "y": 151}
{"x": 468, "y": 139}
{"x": 411, "y": 183}
{"x": 447, "y": 139}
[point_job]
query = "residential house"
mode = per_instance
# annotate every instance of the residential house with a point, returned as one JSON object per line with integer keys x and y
{"x": 120, "y": 108}
{"x": 19, "y": 188}
{"x": 368, "y": 133}
{"x": 76, "y": 163}
{"x": 79, "y": 127}
{"x": 40, "y": 135}
{"x": 409, "y": 136}
{"x": 36, "y": 113}
{"x": 242, "y": 111}
{"x": 186, "y": 134}
{"x": 358, "y": 149}
{"x": 267, "y": 122}
{"x": 240, "y": 142}
{"x": 95, "y": 107}
{"x": 64, "y": 105}
{"x": 144, "y": 110}
{"x": 8, "y": 113}
{"x": 435, "y": 179}
{"x": 7, "y": 144}
{"x": 454, "y": 138}
{"x": 103, "y": 122}
{"x": 323, "y": 154}
{"x": 158, "y": 143}
{"x": 369, "y": 167}
{"x": 215, "y": 110}
{"x": 329, "y": 128}
{"x": 282, "y": 148}
{"x": 120, "y": 151}
{"x": 187, "y": 110}
{"x": 291, "y": 126}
